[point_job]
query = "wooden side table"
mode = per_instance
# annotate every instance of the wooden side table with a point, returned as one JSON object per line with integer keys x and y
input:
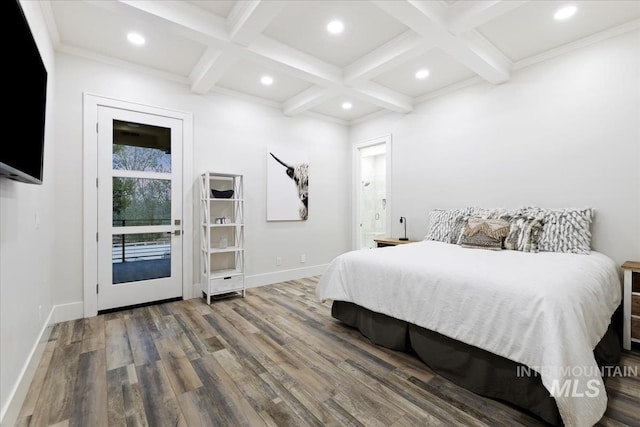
{"x": 391, "y": 241}
{"x": 631, "y": 304}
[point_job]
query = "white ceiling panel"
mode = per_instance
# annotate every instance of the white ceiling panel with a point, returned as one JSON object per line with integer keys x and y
{"x": 531, "y": 29}
{"x": 333, "y": 108}
{"x": 228, "y": 45}
{"x": 443, "y": 71}
{"x": 302, "y": 25}
{"x": 244, "y": 77}
{"x": 102, "y": 31}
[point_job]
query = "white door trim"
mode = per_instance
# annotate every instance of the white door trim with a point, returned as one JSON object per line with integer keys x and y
{"x": 91, "y": 103}
{"x": 356, "y": 186}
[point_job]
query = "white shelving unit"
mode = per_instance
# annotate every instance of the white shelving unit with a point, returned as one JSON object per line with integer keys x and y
{"x": 221, "y": 236}
{"x": 631, "y": 305}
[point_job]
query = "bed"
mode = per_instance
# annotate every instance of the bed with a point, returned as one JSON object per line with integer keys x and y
{"x": 532, "y": 329}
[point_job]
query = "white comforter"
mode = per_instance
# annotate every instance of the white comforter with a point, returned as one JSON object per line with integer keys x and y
{"x": 544, "y": 310}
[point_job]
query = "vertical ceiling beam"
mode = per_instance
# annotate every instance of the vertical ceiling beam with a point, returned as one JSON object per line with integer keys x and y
{"x": 302, "y": 64}
{"x": 475, "y": 52}
{"x": 209, "y": 69}
{"x": 307, "y": 99}
{"x": 396, "y": 51}
{"x": 382, "y": 96}
{"x": 248, "y": 19}
{"x": 465, "y": 16}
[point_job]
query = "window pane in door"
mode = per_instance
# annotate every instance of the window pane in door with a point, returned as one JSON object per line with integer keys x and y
{"x": 141, "y": 201}
{"x": 142, "y": 256}
{"x": 140, "y": 147}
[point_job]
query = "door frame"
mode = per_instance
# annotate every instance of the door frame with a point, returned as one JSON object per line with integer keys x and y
{"x": 356, "y": 188}
{"x": 91, "y": 103}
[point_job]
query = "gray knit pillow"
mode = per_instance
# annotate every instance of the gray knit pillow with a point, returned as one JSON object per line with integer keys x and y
{"x": 497, "y": 213}
{"x": 442, "y": 223}
{"x": 524, "y": 233}
{"x": 565, "y": 230}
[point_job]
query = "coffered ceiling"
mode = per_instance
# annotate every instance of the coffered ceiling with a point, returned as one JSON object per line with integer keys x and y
{"x": 228, "y": 46}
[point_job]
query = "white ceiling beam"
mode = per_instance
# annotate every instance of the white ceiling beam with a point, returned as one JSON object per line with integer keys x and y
{"x": 210, "y": 29}
{"x": 396, "y": 51}
{"x": 199, "y": 25}
{"x": 382, "y": 96}
{"x": 465, "y": 16}
{"x": 209, "y": 69}
{"x": 479, "y": 54}
{"x": 300, "y": 63}
{"x": 473, "y": 51}
{"x": 248, "y": 19}
{"x": 188, "y": 19}
{"x": 307, "y": 99}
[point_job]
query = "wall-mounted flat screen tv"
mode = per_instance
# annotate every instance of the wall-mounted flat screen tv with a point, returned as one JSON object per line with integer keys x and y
{"x": 22, "y": 155}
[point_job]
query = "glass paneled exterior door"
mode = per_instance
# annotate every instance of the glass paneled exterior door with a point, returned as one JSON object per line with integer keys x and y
{"x": 139, "y": 208}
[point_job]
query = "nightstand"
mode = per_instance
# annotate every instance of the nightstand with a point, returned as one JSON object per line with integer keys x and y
{"x": 631, "y": 303}
{"x": 391, "y": 241}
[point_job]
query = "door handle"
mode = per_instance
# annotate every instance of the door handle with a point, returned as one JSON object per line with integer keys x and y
{"x": 175, "y": 233}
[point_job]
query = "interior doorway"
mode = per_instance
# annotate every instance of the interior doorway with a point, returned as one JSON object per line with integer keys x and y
{"x": 372, "y": 191}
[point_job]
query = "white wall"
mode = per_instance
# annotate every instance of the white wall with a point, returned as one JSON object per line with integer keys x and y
{"x": 561, "y": 133}
{"x": 26, "y": 248}
{"x": 230, "y": 135}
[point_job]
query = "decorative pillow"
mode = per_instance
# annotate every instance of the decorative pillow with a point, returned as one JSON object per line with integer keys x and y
{"x": 524, "y": 233}
{"x": 457, "y": 228}
{"x": 441, "y": 224}
{"x": 501, "y": 213}
{"x": 479, "y": 212}
{"x": 566, "y": 230}
{"x": 484, "y": 233}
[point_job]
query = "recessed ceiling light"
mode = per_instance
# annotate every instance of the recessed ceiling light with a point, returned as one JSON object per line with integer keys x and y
{"x": 422, "y": 74}
{"x": 335, "y": 27}
{"x": 136, "y": 38}
{"x": 347, "y": 105}
{"x": 565, "y": 12}
{"x": 266, "y": 80}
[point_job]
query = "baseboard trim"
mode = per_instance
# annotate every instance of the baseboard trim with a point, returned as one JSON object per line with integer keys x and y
{"x": 69, "y": 311}
{"x": 196, "y": 291}
{"x": 264, "y": 279}
{"x": 11, "y": 411}
{"x": 256, "y": 280}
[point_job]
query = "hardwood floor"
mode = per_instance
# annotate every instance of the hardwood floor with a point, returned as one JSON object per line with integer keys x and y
{"x": 274, "y": 358}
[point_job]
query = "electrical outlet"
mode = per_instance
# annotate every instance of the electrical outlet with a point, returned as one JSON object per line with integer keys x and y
{"x": 303, "y": 258}
{"x": 278, "y": 260}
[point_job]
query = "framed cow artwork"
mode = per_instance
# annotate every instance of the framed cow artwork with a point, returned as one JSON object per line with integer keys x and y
{"x": 287, "y": 185}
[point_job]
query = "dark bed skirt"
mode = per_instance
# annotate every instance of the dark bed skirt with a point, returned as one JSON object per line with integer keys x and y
{"x": 477, "y": 370}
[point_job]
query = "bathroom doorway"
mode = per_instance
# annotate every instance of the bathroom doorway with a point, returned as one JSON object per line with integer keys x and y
{"x": 372, "y": 192}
